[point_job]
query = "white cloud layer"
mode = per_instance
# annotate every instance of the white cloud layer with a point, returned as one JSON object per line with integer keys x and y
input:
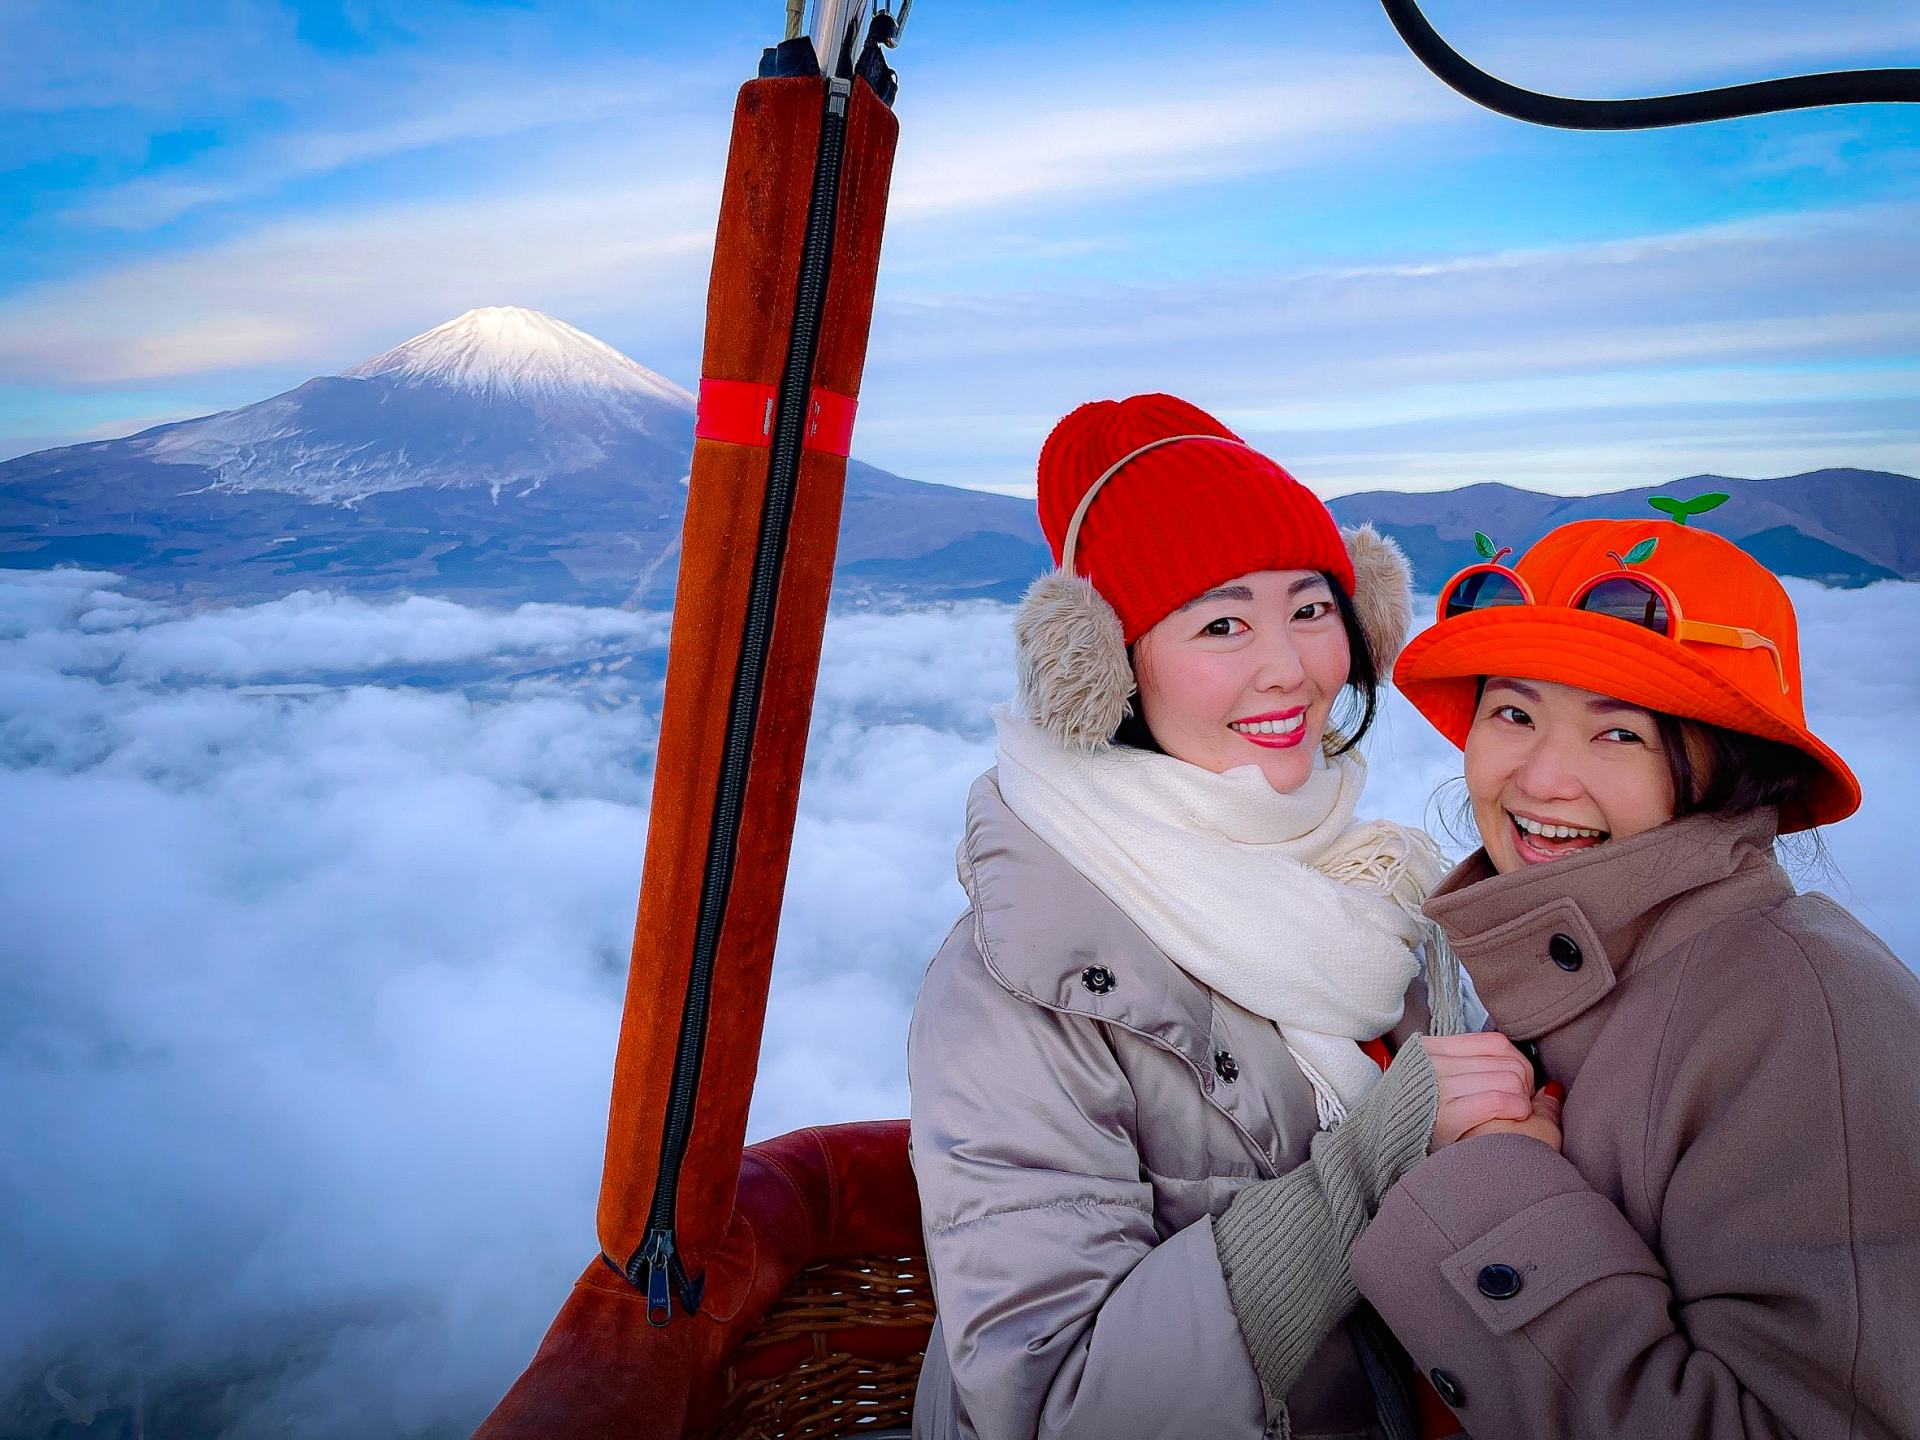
{"x": 319, "y": 632}
{"x": 310, "y": 999}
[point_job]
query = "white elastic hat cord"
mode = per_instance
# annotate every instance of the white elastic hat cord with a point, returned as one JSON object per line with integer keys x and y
{"x": 1080, "y": 511}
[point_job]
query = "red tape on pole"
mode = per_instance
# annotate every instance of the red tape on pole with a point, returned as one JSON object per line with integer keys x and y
{"x": 830, "y": 422}
{"x": 740, "y": 412}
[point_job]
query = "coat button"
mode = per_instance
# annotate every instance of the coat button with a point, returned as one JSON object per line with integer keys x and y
{"x": 1447, "y": 1387}
{"x": 1498, "y": 1282}
{"x": 1226, "y": 1067}
{"x": 1097, "y": 978}
{"x": 1565, "y": 952}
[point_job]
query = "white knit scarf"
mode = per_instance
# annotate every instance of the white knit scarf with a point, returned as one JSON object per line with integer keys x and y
{"x": 1284, "y": 903}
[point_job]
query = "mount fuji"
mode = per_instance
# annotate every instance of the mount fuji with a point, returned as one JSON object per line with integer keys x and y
{"x": 502, "y": 456}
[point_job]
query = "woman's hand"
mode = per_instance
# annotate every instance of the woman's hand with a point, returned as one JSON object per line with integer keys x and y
{"x": 1542, "y": 1124}
{"x": 1483, "y": 1081}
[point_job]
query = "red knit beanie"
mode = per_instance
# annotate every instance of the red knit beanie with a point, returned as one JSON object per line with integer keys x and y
{"x": 1177, "y": 520}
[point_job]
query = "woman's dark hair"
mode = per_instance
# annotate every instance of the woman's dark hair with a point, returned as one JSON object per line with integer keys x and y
{"x": 1725, "y": 771}
{"x": 1353, "y": 712}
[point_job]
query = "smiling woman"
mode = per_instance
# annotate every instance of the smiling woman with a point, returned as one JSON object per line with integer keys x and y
{"x": 1184, "y": 965}
{"x": 1727, "y": 1245}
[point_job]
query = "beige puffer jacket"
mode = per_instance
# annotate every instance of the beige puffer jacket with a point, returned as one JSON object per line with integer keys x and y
{"x": 1082, "y": 1109}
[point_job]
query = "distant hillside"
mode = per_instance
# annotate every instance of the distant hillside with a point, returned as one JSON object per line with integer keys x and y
{"x": 503, "y": 456}
{"x": 1840, "y": 527}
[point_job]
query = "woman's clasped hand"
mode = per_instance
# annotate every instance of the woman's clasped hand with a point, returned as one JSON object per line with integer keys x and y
{"x": 1486, "y": 1087}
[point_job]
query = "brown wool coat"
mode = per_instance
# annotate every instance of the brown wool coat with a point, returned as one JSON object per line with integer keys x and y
{"x": 1071, "y": 1144}
{"x": 1730, "y": 1244}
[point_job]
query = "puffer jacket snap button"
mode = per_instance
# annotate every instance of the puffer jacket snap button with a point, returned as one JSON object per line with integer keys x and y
{"x": 1226, "y": 1067}
{"x": 1097, "y": 978}
{"x": 1447, "y": 1387}
{"x": 1499, "y": 1282}
{"x": 1564, "y": 950}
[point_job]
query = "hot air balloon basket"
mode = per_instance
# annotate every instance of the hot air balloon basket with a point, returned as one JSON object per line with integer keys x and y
{"x": 837, "y": 1354}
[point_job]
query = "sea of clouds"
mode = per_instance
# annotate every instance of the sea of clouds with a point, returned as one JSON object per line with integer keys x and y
{"x": 312, "y": 949}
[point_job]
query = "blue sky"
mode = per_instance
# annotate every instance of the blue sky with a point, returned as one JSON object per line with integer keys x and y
{"x": 1269, "y": 208}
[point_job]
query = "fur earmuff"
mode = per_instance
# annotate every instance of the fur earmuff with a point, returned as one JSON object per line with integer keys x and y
{"x": 1382, "y": 593}
{"x": 1075, "y": 679}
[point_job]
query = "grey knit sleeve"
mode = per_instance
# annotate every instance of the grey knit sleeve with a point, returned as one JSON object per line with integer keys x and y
{"x": 1284, "y": 1243}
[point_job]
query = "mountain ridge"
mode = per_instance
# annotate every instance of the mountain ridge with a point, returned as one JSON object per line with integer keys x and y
{"x": 506, "y": 455}
{"x": 1841, "y": 525}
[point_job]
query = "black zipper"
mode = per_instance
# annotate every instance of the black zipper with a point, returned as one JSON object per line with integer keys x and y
{"x": 658, "y": 1259}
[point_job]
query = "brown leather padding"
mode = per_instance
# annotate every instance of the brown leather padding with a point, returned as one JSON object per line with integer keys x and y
{"x": 816, "y": 1194}
{"x": 762, "y": 219}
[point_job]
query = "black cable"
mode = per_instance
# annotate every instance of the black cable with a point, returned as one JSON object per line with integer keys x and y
{"x": 1764, "y": 97}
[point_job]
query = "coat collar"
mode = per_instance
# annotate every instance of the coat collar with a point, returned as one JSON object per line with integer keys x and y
{"x": 1547, "y": 945}
{"x": 1042, "y": 926}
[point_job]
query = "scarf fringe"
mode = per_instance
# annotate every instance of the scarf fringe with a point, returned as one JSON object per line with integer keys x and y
{"x": 1327, "y": 1104}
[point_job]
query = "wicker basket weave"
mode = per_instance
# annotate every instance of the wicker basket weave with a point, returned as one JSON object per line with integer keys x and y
{"x": 837, "y": 1354}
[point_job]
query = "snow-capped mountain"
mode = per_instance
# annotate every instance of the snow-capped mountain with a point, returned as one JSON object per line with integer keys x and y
{"x": 499, "y": 398}
{"x": 502, "y": 352}
{"x": 504, "y": 454}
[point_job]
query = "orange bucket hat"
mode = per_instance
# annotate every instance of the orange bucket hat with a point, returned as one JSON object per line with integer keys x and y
{"x": 1735, "y": 662}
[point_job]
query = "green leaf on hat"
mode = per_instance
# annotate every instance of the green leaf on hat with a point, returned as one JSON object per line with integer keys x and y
{"x": 1680, "y": 511}
{"x": 1482, "y": 544}
{"x": 1642, "y": 551}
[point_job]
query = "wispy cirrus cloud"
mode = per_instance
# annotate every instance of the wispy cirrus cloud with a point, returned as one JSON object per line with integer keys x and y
{"x": 56, "y": 57}
{"x": 326, "y": 292}
{"x": 1173, "y": 126}
{"x": 1094, "y": 214}
{"x": 1757, "y": 346}
{"x": 281, "y": 289}
{"x": 448, "y": 106}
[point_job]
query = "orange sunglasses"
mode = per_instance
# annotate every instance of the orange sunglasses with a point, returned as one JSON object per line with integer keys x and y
{"x": 1623, "y": 594}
